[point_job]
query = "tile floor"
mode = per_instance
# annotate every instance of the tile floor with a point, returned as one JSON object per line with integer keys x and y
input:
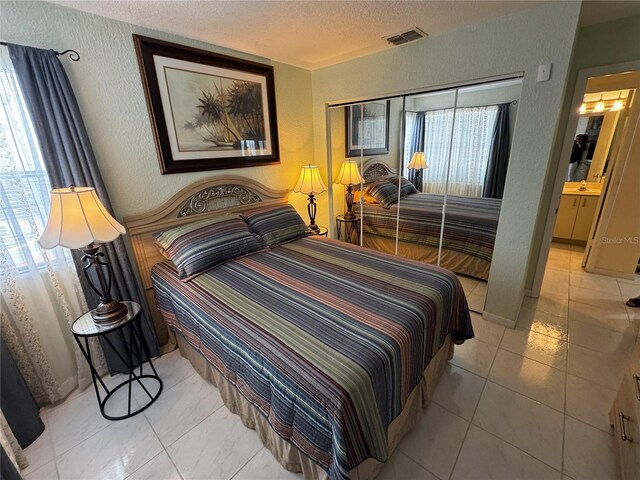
{"x": 529, "y": 403}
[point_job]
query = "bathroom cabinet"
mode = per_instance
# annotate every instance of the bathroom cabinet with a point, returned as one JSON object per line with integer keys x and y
{"x": 624, "y": 417}
{"x": 575, "y": 216}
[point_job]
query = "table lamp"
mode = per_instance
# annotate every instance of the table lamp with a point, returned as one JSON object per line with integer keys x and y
{"x": 418, "y": 163}
{"x": 78, "y": 220}
{"x": 349, "y": 176}
{"x": 310, "y": 183}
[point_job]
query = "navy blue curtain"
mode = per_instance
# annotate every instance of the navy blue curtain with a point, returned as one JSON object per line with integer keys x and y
{"x": 7, "y": 468}
{"x": 496, "y": 175}
{"x": 69, "y": 159}
{"x": 17, "y": 403}
{"x": 417, "y": 145}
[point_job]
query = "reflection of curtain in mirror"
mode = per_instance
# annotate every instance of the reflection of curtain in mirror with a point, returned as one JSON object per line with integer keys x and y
{"x": 409, "y": 127}
{"x": 470, "y": 151}
{"x": 413, "y": 142}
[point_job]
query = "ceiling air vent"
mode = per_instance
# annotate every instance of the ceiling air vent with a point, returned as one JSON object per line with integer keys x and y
{"x": 405, "y": 37}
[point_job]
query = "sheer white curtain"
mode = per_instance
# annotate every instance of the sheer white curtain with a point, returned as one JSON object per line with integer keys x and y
{"x": 40, "y": 291}
{"x": 470, "y": 150}
{"x": 438, "y": 125}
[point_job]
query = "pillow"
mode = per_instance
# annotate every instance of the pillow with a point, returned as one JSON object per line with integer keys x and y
{"x": 385, "y": 193}
{"x": 367, "y": 198}
{"x": 199, "y": 246}
{"x": 276, "y": 224}
{"x": 406, "y": 187}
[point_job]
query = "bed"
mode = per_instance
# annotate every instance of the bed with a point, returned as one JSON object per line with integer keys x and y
{"x": 469, "y": 228}
{"x": 328, "y": 350}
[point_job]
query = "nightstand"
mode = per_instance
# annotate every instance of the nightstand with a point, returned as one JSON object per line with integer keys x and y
{"x": 348, "y": 229}
{"x": 128, "y": 329}
{"x": 322, "y": 232}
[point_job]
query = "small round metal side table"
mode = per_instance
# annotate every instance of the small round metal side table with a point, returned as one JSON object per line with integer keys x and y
{"x": 348, "y": 229}
{"x": 134, "y": 342}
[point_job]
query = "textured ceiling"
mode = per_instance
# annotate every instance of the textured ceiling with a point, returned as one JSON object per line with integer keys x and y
{"x": 308, "y": 34}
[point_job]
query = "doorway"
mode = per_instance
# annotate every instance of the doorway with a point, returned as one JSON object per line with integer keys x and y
{"x": 594, "y": 185}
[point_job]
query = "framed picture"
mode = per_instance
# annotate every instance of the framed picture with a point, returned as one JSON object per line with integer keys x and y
{"x": 367, "y": 128}
{"x": 208, "y": 111}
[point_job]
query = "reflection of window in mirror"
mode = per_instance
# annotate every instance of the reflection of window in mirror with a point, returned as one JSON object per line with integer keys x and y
{"x": 465, "y": 141}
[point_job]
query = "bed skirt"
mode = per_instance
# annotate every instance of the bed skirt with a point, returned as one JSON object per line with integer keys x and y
{"x": 288, "y": 455}
{"x": 454, "y": 261}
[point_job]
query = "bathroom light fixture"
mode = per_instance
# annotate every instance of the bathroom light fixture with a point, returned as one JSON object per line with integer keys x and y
{"x": 599, "y": 106}
{"x": 583, "y": 109}
{"x": 618, "y": 104}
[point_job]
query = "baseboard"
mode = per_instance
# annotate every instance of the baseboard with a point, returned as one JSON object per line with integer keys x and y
{"x": 507, "y": 322}
{"x": 612, "y": 273}
{"x": 67, "y": 386}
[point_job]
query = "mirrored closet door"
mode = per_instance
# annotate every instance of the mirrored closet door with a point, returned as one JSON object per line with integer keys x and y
{"x": 365, "y": 157}
{"x": 435, "y": 193}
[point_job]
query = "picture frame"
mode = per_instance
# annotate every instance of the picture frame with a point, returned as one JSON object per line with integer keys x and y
{"x": 208, "y": 111}
{"x": 375, "y": 128}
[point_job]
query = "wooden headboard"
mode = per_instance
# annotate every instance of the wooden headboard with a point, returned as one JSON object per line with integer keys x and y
{"x": 374, "y": 168}
{"x": 218, "y": 195}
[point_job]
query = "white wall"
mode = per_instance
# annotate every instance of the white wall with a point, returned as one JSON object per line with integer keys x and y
{"x": 109, "y": 90}
{"x": 505, "y": 45}
{"x": 607, "y": 43}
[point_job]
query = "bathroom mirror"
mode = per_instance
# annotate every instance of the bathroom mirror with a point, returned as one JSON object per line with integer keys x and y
{"x": 600, "y": 113}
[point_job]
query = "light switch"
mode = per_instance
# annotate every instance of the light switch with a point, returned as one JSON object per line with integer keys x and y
{"x": 544, "y": 72}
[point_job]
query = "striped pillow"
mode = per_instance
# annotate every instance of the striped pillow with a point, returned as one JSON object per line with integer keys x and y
{"x": 276, "y": 225}
{"x": 406, "y": 187}
{"x": 385, "y": 193}
{"x": 199, "y": 246}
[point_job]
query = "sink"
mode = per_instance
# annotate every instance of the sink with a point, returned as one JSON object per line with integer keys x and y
{"x": 574, "y": 188}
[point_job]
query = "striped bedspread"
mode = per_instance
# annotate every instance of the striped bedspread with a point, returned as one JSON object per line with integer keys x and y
{"x": 325, "y": 338}
{"x": 470, "y": 222}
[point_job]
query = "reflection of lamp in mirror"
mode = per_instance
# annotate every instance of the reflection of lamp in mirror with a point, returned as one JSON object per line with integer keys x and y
{"x": 79, "y": 220}
{"x": 310, "y": 183}
{"x": 349, "y": 176}
{"x": 418, "y": 163}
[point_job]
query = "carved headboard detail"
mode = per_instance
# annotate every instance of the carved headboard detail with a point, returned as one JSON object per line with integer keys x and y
{"x": 218, "y": 198}
{"x": 220, "y": 195}
{"x": 374, "y": 168}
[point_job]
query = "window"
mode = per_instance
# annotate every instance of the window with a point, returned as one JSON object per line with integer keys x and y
{"x": 24, "y": 185}
{"x": 472, "y": 135}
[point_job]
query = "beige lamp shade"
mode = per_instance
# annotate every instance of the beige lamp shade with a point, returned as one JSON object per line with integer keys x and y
{"x": 349, "y": 174}
{"x": 310, "y": 181}
{"x": 417, "y": 162}
{"x": 77, "y": 219}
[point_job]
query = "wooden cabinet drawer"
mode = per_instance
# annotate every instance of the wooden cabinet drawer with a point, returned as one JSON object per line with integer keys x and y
{"x": 625, "y": 417}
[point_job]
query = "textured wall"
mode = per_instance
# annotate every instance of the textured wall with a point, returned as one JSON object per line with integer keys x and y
{"x": 602, "y": 44}
{"x": 109, "y": 90}
{"x": 514, "y": 43}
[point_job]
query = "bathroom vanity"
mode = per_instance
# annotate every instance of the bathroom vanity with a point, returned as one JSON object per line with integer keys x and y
{"x": 576, "y": 212}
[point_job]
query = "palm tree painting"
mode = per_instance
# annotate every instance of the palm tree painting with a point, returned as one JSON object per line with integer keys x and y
{"x": 212, "y": 113}
{"x": 208, "y": 111}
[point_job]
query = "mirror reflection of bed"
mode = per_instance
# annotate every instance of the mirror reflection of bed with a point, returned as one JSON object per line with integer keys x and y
{"x": 447, "y": 161}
